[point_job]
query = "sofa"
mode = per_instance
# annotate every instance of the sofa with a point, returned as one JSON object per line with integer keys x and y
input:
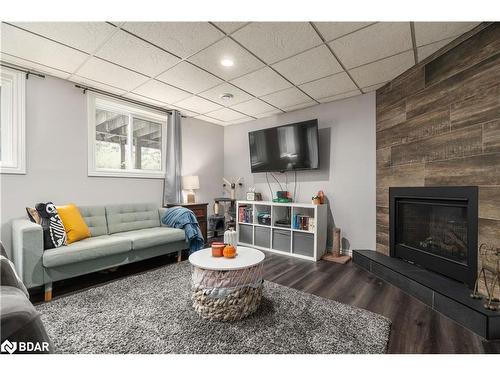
{"x": 120, "y": 234}
{"x": 19, "y": 320}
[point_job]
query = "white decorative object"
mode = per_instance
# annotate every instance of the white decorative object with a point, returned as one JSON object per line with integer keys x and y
{"x": 312, "y": 224}
{"x": 233, "y": 184}
{"x": 231, "y": 237}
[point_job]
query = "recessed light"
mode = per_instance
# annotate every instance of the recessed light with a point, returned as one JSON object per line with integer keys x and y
{"x": 227, "y": 62}
{"x": 226, "y": 96}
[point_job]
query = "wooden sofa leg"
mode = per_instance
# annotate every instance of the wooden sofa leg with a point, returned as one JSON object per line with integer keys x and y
{"x": 179, "y": 256}
{"x": 48, "y": 292}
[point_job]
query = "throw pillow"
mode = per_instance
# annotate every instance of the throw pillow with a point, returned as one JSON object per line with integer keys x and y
{"x": 33, "y": 215}
{"x": 54, "y": 234}
{"x": 75, "y": 226}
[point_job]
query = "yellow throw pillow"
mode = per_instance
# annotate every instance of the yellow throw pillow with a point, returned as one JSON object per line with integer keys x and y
{"x": 74, "y": 225}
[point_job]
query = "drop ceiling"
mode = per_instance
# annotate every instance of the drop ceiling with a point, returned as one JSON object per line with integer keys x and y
{"x": 278, "y": 66}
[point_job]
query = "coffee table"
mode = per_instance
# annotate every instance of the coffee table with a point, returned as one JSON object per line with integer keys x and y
{"x": 226, "y": 289}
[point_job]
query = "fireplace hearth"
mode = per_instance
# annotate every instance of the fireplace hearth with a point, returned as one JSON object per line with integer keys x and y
{"x": 436, "y": 228}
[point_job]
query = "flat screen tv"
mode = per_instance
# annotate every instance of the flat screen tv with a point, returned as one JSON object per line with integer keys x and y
{"x": 285, "y": 148}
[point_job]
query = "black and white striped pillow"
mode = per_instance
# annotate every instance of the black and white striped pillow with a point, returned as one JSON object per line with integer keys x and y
{"x": 54, "y": 234}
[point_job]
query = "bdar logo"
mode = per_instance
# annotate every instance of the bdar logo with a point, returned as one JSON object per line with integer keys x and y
{"x": 9, "y": 347}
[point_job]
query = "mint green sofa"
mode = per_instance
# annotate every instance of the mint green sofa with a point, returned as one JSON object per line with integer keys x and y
{"x": 121, "y": 234}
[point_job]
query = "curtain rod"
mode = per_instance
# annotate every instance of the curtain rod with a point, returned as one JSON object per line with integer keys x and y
{"x": 110, "y": 94}
{"x": 18, "y": 68}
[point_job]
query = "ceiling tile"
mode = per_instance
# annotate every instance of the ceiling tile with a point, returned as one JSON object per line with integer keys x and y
{"x": 110, "y": 74}
{"x": 254, "y": 107}
{"x": 189, "y": 78}
{"x": 287, "y": 98}
{"x": 183, "y": 111}
{"x": 211, "y": 57}
{"x": 215, "y": 93}
{"x": 273, "y": 41}
{"x": 144, "y": 99}
{"x": 226, "y": 114}
{"x": 210, "y": 120}
{"x": 34, "y": 66}
{"x": 197, "y": 104}
{"x": 128, "y": 51}
{"x": 97, "y": 85}
{"x": 373, "y": 87}
{"x": 161, "y": 91}
{"x": 229, "y": 27}
{"x": 319, "y": 62}
{"x": 334, "y": 30}
{"x": 329, "y": 86}
{"x": 39, "y": 50}
{"x": 241, "y": 120}
{"x": 340, "y": 96}
{"x": 429, "y": 32}
{"x": 373, "y": 43}
{"x": 383, "y": 70}
{"x": 427, "y": 50}
{"x": 85, "y": 36}
{"x": 300, "y": 106}
{"x": 180, "y": 38}
{"x": 262, "y": 82}
{"x": 269, "y": 113}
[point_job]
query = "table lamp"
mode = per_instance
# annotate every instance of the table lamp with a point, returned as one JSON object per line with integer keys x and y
{"x": 190, "y": 183}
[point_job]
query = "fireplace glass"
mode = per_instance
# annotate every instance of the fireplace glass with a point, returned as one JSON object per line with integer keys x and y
{"x": 436, "y": 228}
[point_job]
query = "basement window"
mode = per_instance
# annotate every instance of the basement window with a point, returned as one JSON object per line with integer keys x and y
{"x": 12, "y": 122}
{"x": 125, "y": 140}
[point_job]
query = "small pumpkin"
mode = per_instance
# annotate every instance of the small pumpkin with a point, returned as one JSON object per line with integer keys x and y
{"x": 229, "y": 251}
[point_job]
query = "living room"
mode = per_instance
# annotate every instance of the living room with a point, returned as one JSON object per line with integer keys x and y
{"x": 280, "y": 185}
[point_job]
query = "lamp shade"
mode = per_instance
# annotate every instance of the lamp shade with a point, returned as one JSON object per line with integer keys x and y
{"x": 190, "y": 182}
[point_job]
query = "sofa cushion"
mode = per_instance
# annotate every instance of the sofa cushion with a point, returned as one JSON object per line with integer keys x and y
{"x": 87, "y": 249}
{"x": 127, "y": 217}
{"x": 95, "y": 218}
{"x": 144, "y": 238}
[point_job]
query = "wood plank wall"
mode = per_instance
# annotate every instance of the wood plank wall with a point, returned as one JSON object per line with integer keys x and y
{"x": 438, "y": 124}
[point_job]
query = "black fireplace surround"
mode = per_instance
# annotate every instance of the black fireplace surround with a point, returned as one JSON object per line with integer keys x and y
{"x": 436, "y": 228}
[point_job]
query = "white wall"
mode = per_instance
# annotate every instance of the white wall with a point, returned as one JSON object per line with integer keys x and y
{"x": 347, "y": 164}
{"x": 56, "y": 127}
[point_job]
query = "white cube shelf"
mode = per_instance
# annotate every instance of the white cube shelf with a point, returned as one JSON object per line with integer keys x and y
{"x": 300, "y": 243}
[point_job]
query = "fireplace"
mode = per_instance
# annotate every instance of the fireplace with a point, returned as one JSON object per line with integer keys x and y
{"x": 436, "y": 228}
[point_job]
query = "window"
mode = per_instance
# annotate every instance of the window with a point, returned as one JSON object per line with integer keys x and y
{"x": 125, "y": 140}
{"x": 12, "y": 122}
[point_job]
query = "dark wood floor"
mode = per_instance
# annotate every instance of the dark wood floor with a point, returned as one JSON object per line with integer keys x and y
{"x": 416, "y": 328}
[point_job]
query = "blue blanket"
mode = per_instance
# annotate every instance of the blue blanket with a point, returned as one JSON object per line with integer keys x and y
{"x": 182, "y": 218}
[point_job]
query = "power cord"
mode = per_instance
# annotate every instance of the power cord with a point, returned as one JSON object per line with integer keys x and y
{"x": 281, "y": 187}
{"x": 268, "y": 184}
{"x": 295, "y": 185}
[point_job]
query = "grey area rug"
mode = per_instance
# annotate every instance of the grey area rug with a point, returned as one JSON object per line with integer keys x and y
{"x": 151, "y": 313}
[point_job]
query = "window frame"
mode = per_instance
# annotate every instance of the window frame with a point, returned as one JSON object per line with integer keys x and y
{"x": 14, "y": 123}
{"x": 95, "y": 101}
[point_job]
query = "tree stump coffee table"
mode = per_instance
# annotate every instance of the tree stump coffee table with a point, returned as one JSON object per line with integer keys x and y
{"x": 226, "y": 289}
